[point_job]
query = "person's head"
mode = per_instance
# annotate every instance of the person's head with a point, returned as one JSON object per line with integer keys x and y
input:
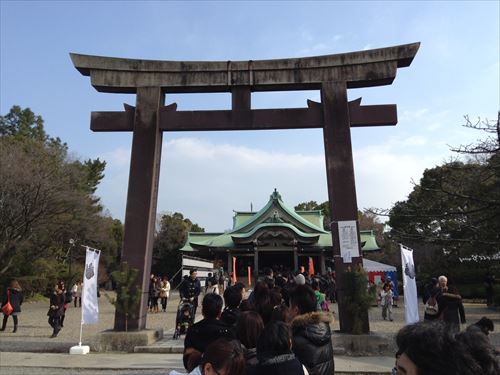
{"x": 211, "y": 307}
{"x": 14, "y": 284}
{"x": 57, "y": 288}
{"x": 193, "y": 273}
{"x": 281, "y": 313}
{"x": 248, "y": 328}
{"x": 443, "y": 282}
{"x": 434, "y": 282}
{"x": 485, "y": 325}
{"x": 241, "y": 287}
{"x": 223, "y": 357}
{"x": 386, "y": 287}
{"x": 165, "y": 278}
{"x": 430, "y": 348}
{"x": 268, "y": 272}
{"x": 210, "y": 274}
{"x": 303, "y": 299}
{"x": 275, "y": 339}
{"x": 232, "y": 297}
{"x": 479, "y": 347}
{"x": 315, "y": 284}
{"x": 299, "y": 279}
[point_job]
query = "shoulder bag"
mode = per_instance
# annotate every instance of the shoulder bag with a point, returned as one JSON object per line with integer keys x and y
{"x": 7, "y": 309}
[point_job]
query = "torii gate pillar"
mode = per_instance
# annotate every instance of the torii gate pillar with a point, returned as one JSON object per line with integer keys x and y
{"x": 140, "y": 215}
{"x": 340, "y": 179}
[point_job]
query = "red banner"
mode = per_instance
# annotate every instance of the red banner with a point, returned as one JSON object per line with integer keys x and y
{"x": 311, "y": 266}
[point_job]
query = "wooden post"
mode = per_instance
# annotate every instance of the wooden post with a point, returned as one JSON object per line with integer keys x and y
{"x": 340, "y": 178}
{"x": 140, "y": 215}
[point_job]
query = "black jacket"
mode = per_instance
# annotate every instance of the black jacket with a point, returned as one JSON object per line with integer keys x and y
{"x": 16, "y": 299}
{"x": 190, "y": 288}
{"x": 56, "y": 308}
{"x": 201, "y": 334}
{"x": 312, "y": 342}
{"x": 230, "y": 316}
{"x": 284, "y": 364}
{"x": 451, "y": 308}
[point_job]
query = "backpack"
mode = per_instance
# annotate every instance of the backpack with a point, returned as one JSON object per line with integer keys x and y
{"x": 431, "y": 306}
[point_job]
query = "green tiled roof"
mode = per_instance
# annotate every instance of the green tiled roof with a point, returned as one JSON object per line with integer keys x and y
{"x": 274, "y": 216}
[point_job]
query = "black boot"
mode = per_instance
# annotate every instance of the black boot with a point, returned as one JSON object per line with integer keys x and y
{"x": 62, "y": 321}
{"x": 15, "y": 323}
{"x": 4, "y": 323}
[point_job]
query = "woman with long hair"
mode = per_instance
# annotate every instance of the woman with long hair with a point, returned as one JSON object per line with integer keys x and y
{"x": 14, "y": 295}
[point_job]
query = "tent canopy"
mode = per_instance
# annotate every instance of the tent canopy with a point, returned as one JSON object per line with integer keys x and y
{"x": 372, "y": 266}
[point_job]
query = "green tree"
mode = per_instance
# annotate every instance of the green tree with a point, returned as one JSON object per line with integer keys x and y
{"x": 128, "y": 296}
{"x": 171, "y": 236}
{"x": 45, "y": 198}
{"x": 454, "y": 211}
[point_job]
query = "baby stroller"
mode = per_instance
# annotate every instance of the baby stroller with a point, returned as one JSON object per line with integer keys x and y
{"x": 184, "y": 318}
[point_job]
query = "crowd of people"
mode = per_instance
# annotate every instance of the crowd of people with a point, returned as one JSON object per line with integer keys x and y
{"x": 283, "y": 327}
{"x": 158, "y": 293}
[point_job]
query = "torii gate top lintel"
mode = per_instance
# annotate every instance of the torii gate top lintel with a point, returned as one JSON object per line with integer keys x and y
{"x": 358, "y": 69}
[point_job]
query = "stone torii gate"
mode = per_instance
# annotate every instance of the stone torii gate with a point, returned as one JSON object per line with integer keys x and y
{"x": 151, "y": 80}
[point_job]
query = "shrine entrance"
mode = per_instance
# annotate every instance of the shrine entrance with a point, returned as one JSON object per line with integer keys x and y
{"x": 151, "y": 80}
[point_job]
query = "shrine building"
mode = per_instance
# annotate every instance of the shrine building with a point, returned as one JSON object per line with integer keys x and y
{"x": 276, "y": 236}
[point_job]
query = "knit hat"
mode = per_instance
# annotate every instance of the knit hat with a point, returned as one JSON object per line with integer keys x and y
{"x": 300, "y": 279}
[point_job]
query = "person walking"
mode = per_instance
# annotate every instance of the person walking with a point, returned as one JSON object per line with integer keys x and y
{"x": 76, "y": 292}
{"x": 14, "y": 296}
{"x": 56, "y": 310}
{"x": 191, "y": 288}
{"x": 451, "y": 309}
{"x": 386, "y": 296}
{"x": 164, "y": 293}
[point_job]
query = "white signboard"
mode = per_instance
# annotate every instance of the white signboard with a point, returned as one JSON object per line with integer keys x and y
{"x": 348, "y": 240}
{"x": 196, "y": 263}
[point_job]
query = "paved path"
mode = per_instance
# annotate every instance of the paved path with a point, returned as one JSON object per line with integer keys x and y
{"x": 151, "y": 363}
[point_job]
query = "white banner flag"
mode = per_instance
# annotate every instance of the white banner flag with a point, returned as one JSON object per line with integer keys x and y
{"x": 90, "y": 306}
{"x": 409, "y": 285}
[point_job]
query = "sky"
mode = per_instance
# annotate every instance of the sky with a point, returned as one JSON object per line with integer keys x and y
{"x": 208, "y": 175}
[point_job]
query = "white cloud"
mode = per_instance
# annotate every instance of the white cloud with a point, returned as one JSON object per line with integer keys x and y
{"x": 206, "y": 180}
{"x": 118, "y": 157}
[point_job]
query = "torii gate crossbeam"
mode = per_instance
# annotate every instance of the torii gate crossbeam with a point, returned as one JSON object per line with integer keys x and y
{"x": 150, "y": 80}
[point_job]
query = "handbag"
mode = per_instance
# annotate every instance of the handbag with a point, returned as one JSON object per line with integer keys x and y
{"x": 431, "y": 306}
{"x": 7, "y": 309}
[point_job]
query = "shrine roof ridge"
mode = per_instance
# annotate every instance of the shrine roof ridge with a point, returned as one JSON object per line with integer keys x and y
{"x": 359, "y": 69}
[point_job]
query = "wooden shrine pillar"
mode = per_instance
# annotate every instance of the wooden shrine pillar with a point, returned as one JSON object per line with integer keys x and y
{"x": 340, "y": 179}
{"x": 140, "y": 215}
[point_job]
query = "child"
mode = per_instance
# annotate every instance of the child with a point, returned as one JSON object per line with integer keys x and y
{"x": 386, "y": 301}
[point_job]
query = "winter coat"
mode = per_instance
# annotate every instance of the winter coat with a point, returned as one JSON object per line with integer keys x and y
{"x": 451, "y": 309}
{"x": 16, "y": 299}
{"x": 312, "y": 342}
{"x": 250, "y": 356}
{"x": 284, "y": 364}
{"x": 201, "y": 334}
{"x": 230, "y": 316}
{"x": 165, "y": 289}
{"x": 190, "y": 288}
{"x": 56, "y": 308}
